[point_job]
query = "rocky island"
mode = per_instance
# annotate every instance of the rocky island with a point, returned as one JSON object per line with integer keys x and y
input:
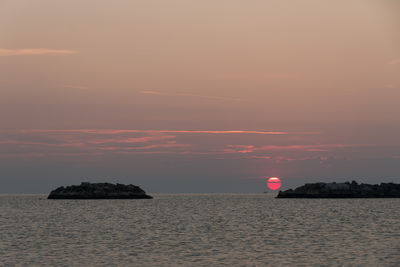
{"x": 343, "y": 190}
{"x": 99, "y": 191}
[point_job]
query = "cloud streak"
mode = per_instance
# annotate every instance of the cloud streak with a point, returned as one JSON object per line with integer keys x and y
{"x": 105, "y": 141}
{"x": 148, "y": 92}
{"x": 394, "y": 61}
{"x": 34, "y": 51}
{"x": 120, "y": 131}
{"x": 79, "y": 87}
{"x": 308, "y": 148}
{"x": 78, "y": 143}
{"x": 270, "y": 146}
{"x": 131, "y": 140}
{"x": 223, "y": 98}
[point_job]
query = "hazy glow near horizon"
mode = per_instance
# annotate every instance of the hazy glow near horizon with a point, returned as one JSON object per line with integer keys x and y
{"x": 194, "y": 95}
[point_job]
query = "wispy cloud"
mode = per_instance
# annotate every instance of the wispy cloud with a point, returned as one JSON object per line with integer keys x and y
{"x": 311, "y": 148}
{"x": 147, "y": 147}
{"x": 59, "y": 143}
{"x": 34, "y": 51}
{"x": 270, "y": 146}
{"x": 119, "y": 131}
{"x": 106, "y": 141}
{"x": 147, "y": 92}
{"x": 132, "y": 140}
{"x": 79, "y": 87}
{"x": 239, "y": 149}
{"x": 394, "y": 61}
{"x": 258, "y": 157}
{"x": 211, "y": 97}
{"x": 307, "y": 148}
{"x": 236, "y": 99}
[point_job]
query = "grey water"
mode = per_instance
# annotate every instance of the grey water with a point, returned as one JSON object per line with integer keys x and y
{"x": 199, "y": 230}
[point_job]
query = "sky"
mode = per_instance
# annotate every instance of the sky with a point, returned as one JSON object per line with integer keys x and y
{"x": 198, "y": 96}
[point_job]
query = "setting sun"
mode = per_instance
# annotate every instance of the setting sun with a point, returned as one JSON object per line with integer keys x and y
{"x": 274, "y": 183}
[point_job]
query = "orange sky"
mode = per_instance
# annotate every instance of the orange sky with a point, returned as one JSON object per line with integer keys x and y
{"x": 310, "y": 89}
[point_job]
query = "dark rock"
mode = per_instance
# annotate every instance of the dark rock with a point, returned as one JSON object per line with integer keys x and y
{"x": 98, "y": 191}
{"x": 343, "y": 190}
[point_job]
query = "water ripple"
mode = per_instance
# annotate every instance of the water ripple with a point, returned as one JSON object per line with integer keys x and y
{"x": 199, "y": 230}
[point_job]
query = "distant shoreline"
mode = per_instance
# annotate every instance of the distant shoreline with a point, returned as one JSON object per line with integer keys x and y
{"x": 343, "y": 190}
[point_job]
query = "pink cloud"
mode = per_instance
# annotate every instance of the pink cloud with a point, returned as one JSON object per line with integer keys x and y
{"x": 146, "y": 147}
{"x": 131, "y": 140}
{"x": 100, "y": 141}
{"x": 236, "y": 99}
{"x": 72, "y": 142}
{"x": 34, "y": 51}
{"x": 259, "y": 157}
{"x": 394, "y": 61}
{"x": 142, "y": 152}
{"x": 79, "y": 87}
{"x": 120, "y": 131}
{"x": 239, "y": 149}
{"x": 291, "y": 152}
{"x": 148, "y": 92}
{"x": 280, "y": 159}
{"x": 308, "y": 147}
{"x": 29, "y": 143}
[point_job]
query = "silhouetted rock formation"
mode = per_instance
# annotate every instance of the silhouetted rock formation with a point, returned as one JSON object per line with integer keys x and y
{"x": 343, "y": 190}
{"x": 98, "y": 191}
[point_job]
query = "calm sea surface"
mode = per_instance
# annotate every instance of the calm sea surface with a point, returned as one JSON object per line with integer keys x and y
{"x": 199, "y": 230}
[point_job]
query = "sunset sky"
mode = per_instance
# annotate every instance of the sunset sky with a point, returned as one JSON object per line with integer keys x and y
{"x": 198, "y": 96}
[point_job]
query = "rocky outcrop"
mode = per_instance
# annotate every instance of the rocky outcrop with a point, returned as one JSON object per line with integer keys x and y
{"x": 343, "y": 190}
{"x": 98, "y": 191}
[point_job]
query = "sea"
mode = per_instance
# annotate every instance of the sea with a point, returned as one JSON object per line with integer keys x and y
{"x": 199, "y": 230}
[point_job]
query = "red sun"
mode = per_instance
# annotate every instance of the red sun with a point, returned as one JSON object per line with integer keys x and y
{"x": 274, "y": 183}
